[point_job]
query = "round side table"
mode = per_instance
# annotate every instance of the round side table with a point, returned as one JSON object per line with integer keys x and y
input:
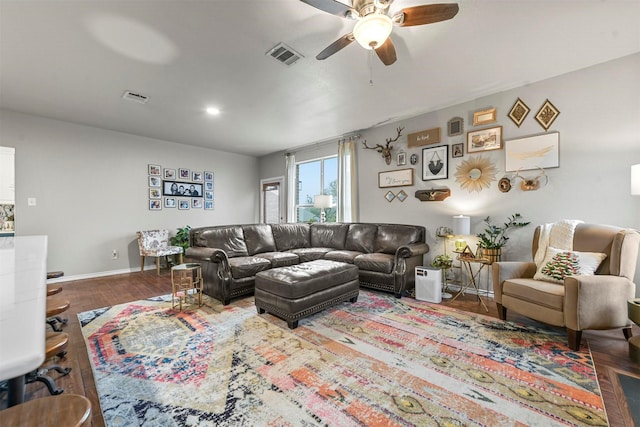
{"x": 634, "y": 342}
{"x": 186, "y": 280}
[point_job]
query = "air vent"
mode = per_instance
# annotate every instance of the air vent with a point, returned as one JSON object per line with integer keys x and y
{"x": 135, "y": 97}
{"x": 284, "y": 54}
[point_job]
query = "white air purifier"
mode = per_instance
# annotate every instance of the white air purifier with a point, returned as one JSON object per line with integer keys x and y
{"x": 429, "y": 284}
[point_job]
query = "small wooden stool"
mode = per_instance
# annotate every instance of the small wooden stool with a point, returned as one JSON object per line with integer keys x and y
{"x": 71, "y": 410}
{"x": 54, "y": 274}
{"x": 55, "y": 346}
{"x": 53, "y": 289}
{"x": 56, "y": 306}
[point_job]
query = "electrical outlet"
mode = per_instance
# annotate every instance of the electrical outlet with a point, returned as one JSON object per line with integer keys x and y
{"x": 114, "y": 254}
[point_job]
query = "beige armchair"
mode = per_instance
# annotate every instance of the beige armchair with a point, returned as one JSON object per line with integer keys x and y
{"x": 155, "y": 243}
{"x": 580, "y": 302}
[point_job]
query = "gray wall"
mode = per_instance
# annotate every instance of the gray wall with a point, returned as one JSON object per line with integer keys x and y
{"x": 91, "y": 187}
{"x": 599, "y": 125}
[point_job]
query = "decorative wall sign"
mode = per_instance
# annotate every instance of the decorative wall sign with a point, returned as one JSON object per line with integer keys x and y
{"x": 433, "y": 195}
{"x": 547, "y": 114}
{"x": 455, "y": 126}
{"x": 435, "y": 163}
{"x": 429, "y": 136}
{"x": 484, "y": 117}
{"x": 457, "y": 150}
{"x": 532, "y": 152}
{"x": 518, "y": 112}
{"x": 484, "y": 139}
{"x": 476, "y": 173}
{"x": 396, "y": 178}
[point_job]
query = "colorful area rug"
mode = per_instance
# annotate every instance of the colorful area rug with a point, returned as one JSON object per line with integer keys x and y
{"x": 381, "y": 362}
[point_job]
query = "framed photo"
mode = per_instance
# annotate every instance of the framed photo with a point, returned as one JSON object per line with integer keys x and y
{"x": 208, "y": 176}
{"x": 169, "y": 202}
{"x": 401, "y": 159}
{"x": 484, "y": 117}
{"x": 154, "y": 181}
{"x": 484, "y": 139}
{"x": 208, "y": 186}
{"x": 402, "y": 196}
{"x": 184, "y": 174}
{"x": 424, "y": 137}
{"x": 435, "y": 163}
{"x": 183, "y": 204}
{"x": 169, "y": 174}
{"x": 396, "y": 178}
{"x": 196, "y": 176}
{"x": 196, "y": 203}
{"x": 457, "y": 150}
{"x": 154, "y": 193}
{"x": 177, "y": 188}
{"x": 389, "y": 196}
{"x": 155, "y": 205}
{"x": 154, "y": 170}
{"x": 208, "y": 205}
{"x": 455, "y": 126}
{"x": 532, "y": 152}
{"x": 208, "y": 195}
{"x": 518, "y": 112}
{"x": 547, "y": 114}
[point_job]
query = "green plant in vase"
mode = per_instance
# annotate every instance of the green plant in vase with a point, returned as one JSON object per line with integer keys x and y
{"x": 181, "y": 238}
{"x": 494, "y": 237}
{"x": 442, "y": 261}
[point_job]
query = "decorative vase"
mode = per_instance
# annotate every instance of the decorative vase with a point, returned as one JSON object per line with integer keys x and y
{"x": 491, "y": 254}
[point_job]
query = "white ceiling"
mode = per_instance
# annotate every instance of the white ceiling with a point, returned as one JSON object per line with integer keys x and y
{"x": 72, "y": 60}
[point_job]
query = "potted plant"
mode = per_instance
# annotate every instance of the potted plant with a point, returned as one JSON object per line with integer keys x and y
{"x": 494, "y": 237}
{"x": 181, "y": 238}
{"x": 442, "y": 261}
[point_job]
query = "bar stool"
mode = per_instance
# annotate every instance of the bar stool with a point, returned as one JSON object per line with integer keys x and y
{"x": 56, "y": 344}
{"x": 56, "y": 306}
{"x": 71, "y": 410}
{"x": 53, "y": 289}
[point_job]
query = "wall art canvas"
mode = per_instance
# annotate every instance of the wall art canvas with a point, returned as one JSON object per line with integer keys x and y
{"x": 435, "y": 163}
{"x": 533, "y": 152}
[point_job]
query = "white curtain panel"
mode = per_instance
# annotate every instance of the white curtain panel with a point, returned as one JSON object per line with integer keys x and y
{"x": 347, "y": 208}
{"x": 290, "y": 162}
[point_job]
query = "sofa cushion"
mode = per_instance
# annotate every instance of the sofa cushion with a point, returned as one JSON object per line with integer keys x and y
{"x": 247, "y": 266}
{"x": 290, "y": 236}
{"x": 310, "y": 254}
{"x": 390, "y": 237}
{"x": 559, "y": 264}
{"x": 229, "y": 239}
{"x": 258, "y": 238}
{"x": 342, "y": 256}
{"x": 380, "y": 263}
{"x": 280, "y": 259}
{"x": 329, "y": 235}
{"x": 361, "y": 237}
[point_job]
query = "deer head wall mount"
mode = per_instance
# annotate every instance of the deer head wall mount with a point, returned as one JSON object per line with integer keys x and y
{"x": 385, "y": 150}
{"x": 532, "y": 184}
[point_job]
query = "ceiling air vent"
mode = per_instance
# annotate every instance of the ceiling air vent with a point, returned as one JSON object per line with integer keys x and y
{"x": 284, "y": 54}
{"x": 135, "y": 97}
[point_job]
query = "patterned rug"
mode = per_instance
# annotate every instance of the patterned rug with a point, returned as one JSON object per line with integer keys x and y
{"x": 380, "y": 362}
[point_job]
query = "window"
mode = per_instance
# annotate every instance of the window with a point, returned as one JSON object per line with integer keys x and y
{"x": 319, "y": 176}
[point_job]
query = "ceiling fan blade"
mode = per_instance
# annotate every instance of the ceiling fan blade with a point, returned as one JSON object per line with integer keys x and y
{"x": 387, "y": 52}
{"x": 337, "y": 45}
{"x": 333, "y": 7}
{"x": 425, "y": 14}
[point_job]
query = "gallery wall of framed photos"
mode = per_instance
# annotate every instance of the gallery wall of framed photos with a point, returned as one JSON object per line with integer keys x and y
{"x": 181, "y": 189}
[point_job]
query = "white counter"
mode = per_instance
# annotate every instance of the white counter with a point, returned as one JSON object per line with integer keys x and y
{"x": 23, "y": 299}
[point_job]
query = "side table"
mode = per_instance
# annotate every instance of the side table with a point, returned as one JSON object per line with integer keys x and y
{"x": 634, "y": 342}
{"x": 186, "y": 280}
{"x": 465, "y": 263}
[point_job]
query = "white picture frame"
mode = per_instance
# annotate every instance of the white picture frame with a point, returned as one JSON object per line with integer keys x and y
{"x": 533, "y": 152}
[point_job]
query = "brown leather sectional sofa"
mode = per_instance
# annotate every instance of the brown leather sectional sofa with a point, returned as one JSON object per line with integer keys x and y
{"x": 386, "y": 254}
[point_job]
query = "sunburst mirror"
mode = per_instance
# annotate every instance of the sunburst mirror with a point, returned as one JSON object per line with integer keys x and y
{"x": 476, "y": 173}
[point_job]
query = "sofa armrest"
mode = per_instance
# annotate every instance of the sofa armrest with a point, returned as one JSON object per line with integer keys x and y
{"x": 408, "y": 251}
{"x": 206, "y": 254}
{"x": 597, "y": 301}
{"x": 505, "y": 270}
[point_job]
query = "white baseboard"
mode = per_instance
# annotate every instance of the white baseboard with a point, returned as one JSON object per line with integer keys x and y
{"x": 99, "y": 274}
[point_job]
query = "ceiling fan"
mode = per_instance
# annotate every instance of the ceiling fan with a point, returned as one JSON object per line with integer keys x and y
{"x": 375, "y": 24}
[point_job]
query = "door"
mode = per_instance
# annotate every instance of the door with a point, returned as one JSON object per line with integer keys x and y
{"x": 271, "y": 200}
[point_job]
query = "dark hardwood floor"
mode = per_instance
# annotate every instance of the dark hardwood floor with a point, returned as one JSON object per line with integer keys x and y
{"x": 609, "y": 348}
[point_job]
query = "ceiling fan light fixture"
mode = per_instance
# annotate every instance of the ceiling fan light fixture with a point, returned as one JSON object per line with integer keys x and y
{"x": 373, "y": 30}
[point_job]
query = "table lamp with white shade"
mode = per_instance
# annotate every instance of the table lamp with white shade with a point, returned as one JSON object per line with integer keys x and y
{"x": 322, "y": 201}
{"x": 461, "y": 227}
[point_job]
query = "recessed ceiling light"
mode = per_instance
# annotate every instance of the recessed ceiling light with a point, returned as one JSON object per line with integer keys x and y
{"x": 213, "y": 111}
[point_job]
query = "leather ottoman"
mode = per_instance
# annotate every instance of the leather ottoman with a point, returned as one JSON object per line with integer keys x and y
{"x": 298, "y": 291}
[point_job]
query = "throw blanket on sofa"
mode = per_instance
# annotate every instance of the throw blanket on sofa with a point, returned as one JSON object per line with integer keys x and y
{"x": 558, "y": 235}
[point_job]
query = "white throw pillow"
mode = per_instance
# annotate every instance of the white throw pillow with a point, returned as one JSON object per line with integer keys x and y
{"x": 559, "y": 264}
